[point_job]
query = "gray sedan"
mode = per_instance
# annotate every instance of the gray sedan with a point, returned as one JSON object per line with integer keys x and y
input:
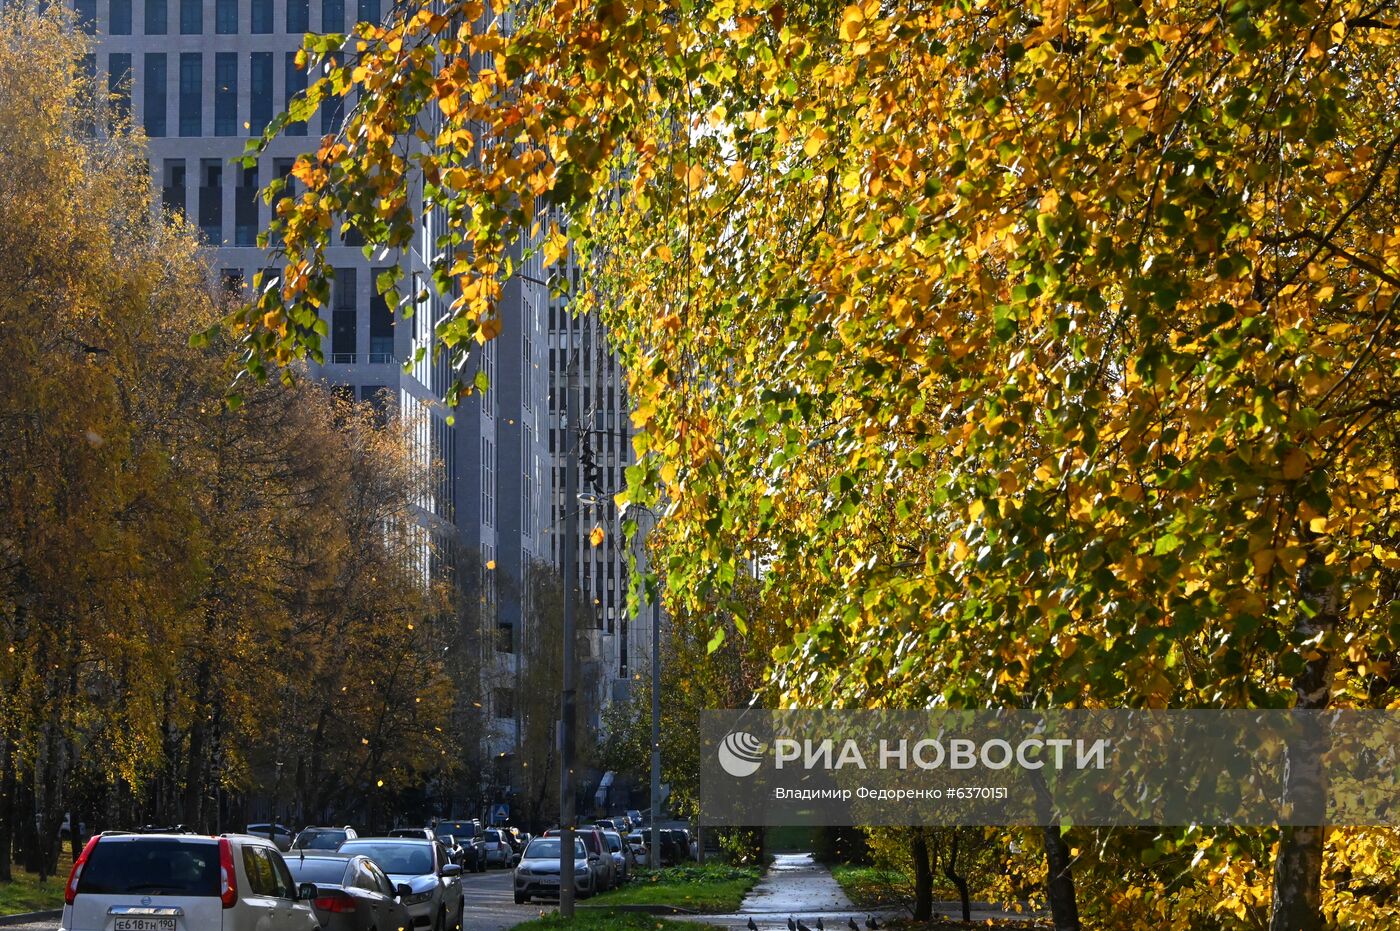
{"x": 434, "y": 885}
{"x": 352, "y": 893}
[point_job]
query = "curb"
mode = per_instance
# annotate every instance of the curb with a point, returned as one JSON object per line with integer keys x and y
{"x": 28, "y": 917}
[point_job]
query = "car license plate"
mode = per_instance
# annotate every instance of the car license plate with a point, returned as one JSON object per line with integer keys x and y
{"x": 144, "y": 924}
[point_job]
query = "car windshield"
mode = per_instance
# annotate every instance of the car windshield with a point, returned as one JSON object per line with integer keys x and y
{"x": 319, "y": 840}
{"x": 323, "y": 871}
{"x": 547, "y": 848}
{"x": 152, "y": 866}
{"x": 404, "y": 859}
{"x": 614, "y": 842}
{"x": 448, "y": 840}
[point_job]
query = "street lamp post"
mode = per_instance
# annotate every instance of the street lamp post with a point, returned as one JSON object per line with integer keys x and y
{"x": 567, "y": 700}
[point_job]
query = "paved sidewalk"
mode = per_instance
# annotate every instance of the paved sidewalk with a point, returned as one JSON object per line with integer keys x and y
{"x": 795, "y": 886}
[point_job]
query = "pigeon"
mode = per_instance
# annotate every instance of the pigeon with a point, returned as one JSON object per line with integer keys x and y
{"x": 871, "y": 923}
{"x": 801, "y": 926}
{"x": 792, "y": 925}
{"x": 752, "y": 926}
{"x": 820, "y": 926}
{"x": 851, "y": 923}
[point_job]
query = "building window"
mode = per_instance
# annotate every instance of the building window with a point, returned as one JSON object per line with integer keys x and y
{"x": 172, "y": 192}
{"x": 262, "y": 16}
{"x": 87, "y": 15}
{"x": 120, "y": 11}
{"x": 333, "y": 106}
{"x": 157, "y": 14}
{"x": 226, "y": 17}
{"x": 211, "y": 200}
{"x": 504, "y": 703}
{"x": 369, "y": 11}
{"x": 231, "y": 279}
{"x": 245, "y": 208}
{"x": 295, "y": 84}
{"x": 155, "y": 94}
{"x": 191, "y": 17}
{"x": 333, "y": 16}
{"x": 344, "y": 322}
{"x": 260, "y": 92}
{"x": 298, "y": 16}
{"x": 226, "y": 94}
{"x": 119, "y": 84}
{"x": 381, "y": 327}
{"x": 377, "y": 397}
{"x": 191, "y": 90}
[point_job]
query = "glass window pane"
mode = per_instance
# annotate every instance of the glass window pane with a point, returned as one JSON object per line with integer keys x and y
{"x": 369, "y": 11}
{"x": 87, "y": 15}
{"x": 157, "y": 12}
{"x": 262, "y": 16}
{"x": 332, "y": 15}
{"x": 154, "y": 84}
{"x": 120, "y": 11}
{"x": 226, "y": 17}
{"x": 259, "y": 92}
{"x": 226, "y": 94}
{"x": 295, "y": 83}
{"x": 298, "y": 16}
{"x": 191, "y": 94}
{"x": 191, "y": 17}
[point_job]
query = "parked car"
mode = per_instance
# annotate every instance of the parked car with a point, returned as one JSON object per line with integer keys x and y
{"x": 434, "y": 896}
{"x": 641, "y": 855}
{"x": 468, "y": 833}
{"x": 606, "y": 824}
{"x": 184, "y": 882}
{"x": 597, "y": 851}
{"x": 419, "y": 833}
{"x": 635, "y": 816}
{"x": 454, "y": 850}
{"x": 352, "y": 893}
{"x": 498, "y": 849}
{"x": 279, "y": 834}
{"x": 323, "y": 838}
{"x": 621, "y": 856}
{"x": 537, "y": 874}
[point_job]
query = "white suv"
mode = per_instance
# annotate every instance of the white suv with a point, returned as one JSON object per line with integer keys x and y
{"x": 184, "y": 882}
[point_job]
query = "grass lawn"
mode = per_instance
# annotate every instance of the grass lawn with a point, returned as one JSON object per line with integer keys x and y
{"x": 871, "y": 887}
{"x": 608, "y": 920}
{"x": 708, "y": 888}
{"x": 27, "y": 894}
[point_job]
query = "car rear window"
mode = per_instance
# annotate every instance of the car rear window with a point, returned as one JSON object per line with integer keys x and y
{"x": 403, "y": 859}
{"x": 458, "y": 829}
{"x": 319, "y": 870}
{"x": 152, "y": 866}
{"x": 320, "y": 840}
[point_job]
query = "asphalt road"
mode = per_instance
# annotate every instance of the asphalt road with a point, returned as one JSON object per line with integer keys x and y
{"x": 489, "y": 899}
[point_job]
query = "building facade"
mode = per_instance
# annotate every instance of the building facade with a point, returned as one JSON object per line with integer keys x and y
{"x": 201, "y": 77}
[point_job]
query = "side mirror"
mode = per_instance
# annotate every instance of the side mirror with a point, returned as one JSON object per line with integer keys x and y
{"x": 403, "y": 890}
{"x": 307, "y": 892}
{"x": 450, "y": 869}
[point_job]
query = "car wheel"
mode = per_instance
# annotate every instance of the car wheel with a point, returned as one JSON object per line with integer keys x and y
{"x": 521, "y": 899}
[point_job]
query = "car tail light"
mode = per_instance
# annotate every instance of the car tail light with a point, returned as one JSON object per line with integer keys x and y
{"x": 71, "y": 890}
{"x": 336, "y": 901}
{"x": 228, "y": 879}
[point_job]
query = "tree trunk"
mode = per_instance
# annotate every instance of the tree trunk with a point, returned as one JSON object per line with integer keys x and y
{"x": 193, "y": 794}
{"x": 923, "y": 876}
{"x": 7, "y": 807}
{"x": 1059, "y": 881}
{"x": 950, "y": 870}
{"x": 1297, "y": 899}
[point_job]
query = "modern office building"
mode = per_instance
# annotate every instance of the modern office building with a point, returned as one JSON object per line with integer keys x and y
{"x": 619, "y": 642}
{"x": 203, "y": 76}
